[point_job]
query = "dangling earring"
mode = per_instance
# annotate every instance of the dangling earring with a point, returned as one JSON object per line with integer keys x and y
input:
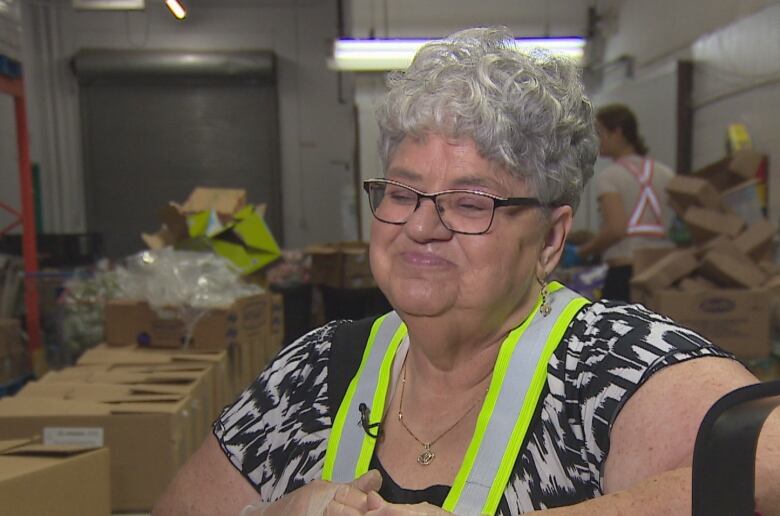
{"x": 545, "y": 309}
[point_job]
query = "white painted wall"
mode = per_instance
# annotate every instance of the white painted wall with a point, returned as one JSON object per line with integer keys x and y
{"x": 735, "y": 49}
{"x": 737, "y": 80}
{"x": 733, "y": 43}
{"x": 654, "y": 30}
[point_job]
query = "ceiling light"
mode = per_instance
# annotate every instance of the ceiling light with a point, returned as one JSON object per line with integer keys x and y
{"x": 375, "y": 55}
{"x": 177, "y": 8}
{"x": 110, "y": 5}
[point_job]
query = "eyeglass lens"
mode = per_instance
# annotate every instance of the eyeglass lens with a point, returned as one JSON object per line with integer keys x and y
{"x": 459, "y": 211}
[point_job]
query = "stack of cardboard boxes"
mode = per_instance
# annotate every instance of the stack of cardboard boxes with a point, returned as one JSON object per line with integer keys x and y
{"x": 149, "y": 393}
{"x": 245, "y": 330}
{"x": 721, "y": 286}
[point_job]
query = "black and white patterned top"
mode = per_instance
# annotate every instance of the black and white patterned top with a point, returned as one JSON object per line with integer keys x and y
{"x": 276, "y": 432}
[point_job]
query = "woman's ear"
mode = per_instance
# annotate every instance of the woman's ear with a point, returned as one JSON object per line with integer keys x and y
{"x": 559, "y": 222}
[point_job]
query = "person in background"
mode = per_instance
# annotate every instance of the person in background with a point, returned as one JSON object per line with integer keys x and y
{"x": 488, "y": 389}
{"x": 631, "y": 193}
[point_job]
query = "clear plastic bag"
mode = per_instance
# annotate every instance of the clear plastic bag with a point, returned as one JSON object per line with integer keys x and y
{"x": 182, "y": 284}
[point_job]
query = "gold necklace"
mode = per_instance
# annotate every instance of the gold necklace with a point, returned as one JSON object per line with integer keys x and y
{"x": 427, "y": 455}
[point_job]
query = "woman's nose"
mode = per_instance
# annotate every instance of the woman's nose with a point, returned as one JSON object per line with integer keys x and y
{"x": 425, "y": 224}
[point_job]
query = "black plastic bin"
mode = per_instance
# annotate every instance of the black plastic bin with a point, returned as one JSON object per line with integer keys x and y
{"x": 353, "y": 303}
{"x": 297, "y": 310}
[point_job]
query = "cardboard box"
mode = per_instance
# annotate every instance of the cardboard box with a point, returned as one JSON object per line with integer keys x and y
{"x": 722, "y": 245}
{"x": 756, "y": 240}
{"x": 218, "y": 220}
{"x": 737, "y": 320}
{"x": 149, "y": 441}
{"x": 744, "y": 201}
{"x": 663, "y": 273}
{"x": 341, "y": 265}
{"x": 647, "y": 256}
{"x": 247, "y": 320}
{"x": 696, "y": 284}
{"x": 127, "y": 321}
{"x": 224, "y": 201}
{"x": 221, "y": 362}
{"x": 733, "y": 170}
{"x": 730, "y": 272}
{"x": 706, "y": 224}
{"x": 38, "y": 479}
{"x": 139, "y": 383}
{"x": 686, "y": 191}
{"x": 718, "y": 242}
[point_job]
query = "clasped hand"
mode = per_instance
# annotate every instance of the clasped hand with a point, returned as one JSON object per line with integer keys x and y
{"x": 356, "y": 498}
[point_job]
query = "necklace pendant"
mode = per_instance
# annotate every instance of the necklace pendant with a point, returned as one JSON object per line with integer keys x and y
{"x": 426, "y": 457}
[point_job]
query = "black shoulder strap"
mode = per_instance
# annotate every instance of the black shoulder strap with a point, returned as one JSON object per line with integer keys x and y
{"x": 346, "y": 351}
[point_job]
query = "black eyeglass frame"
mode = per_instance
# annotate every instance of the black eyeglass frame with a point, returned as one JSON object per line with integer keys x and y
{"x": 498, "y": 202}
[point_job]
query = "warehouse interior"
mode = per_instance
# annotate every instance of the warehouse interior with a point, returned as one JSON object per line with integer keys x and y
{"x": 127, "y": 135}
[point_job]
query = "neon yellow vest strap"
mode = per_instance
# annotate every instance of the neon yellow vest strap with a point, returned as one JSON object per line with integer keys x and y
{"x": 503, "y": 420}
{"x": 518, "y": 380}
{"x": 344, "y": 460}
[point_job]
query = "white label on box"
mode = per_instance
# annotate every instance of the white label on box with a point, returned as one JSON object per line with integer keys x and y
{"x": 86, "y": 436}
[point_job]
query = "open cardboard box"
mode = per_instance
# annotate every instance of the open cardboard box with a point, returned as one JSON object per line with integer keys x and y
{"x": 731, "y": 171}
{"x": 687, "y": 190}
{"x": 106, "y": 383}
{"x": 149, "y": 440}
{"x": 224, "y": 364}
{"x": 66, "y": 480}
{"x": 218, "y": 220}
{"x": 736, "y": 319}
{"x": 341, "y": 265}
{"x": 244, "y": 330}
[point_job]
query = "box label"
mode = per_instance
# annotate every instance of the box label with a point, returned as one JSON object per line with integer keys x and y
{"x": 86, "y": 436}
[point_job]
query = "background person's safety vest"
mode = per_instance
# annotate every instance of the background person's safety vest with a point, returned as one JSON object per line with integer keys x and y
{"x": 519, "y": 377}
{"x": 647, "y": 199}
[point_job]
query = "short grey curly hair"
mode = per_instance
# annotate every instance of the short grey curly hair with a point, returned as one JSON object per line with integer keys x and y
{"x": 525, "y": 112}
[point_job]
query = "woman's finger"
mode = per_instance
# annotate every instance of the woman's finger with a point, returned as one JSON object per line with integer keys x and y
{"x": 336, "y": 508}
{"x": 374, "y": 501}
{"x": 368, "y": 481}
{"x": 351, "y": 497}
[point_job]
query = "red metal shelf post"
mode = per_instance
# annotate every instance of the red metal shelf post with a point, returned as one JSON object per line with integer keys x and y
{"x": 15, "y": 87}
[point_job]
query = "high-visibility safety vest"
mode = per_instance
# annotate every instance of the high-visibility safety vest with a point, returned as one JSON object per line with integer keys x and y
{"x": 519, "y": 377}
{"x": 647, "y": 199}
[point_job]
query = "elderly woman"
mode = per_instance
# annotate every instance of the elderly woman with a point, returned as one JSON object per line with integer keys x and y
{"x": 488, "y": 389}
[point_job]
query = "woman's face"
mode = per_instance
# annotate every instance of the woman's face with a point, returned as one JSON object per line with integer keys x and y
{"x": 427, "y": 270}
{"x": 607, "y": 140}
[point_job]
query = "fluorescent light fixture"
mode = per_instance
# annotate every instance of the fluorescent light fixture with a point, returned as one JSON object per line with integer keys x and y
{"x": 176, "y": 8}
{"x": 109, "y": 5}
{"x": 376, "y": 55}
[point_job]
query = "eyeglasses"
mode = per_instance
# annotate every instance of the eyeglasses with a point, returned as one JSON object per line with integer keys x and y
{"x": 462, "y": 211}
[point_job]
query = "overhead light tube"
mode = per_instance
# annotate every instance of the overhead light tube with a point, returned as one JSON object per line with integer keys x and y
{"x": 373, "y": 55}
{"x": 177, "y": 8}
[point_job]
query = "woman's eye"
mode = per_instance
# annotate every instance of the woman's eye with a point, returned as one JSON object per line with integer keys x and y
{"x": 472, "y": 204}
{"x": 401, "y": 196}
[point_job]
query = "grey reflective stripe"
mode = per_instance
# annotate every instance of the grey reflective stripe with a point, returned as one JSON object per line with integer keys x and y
{"x": 353, "y": 434}
{"x": 510, "y": 401}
